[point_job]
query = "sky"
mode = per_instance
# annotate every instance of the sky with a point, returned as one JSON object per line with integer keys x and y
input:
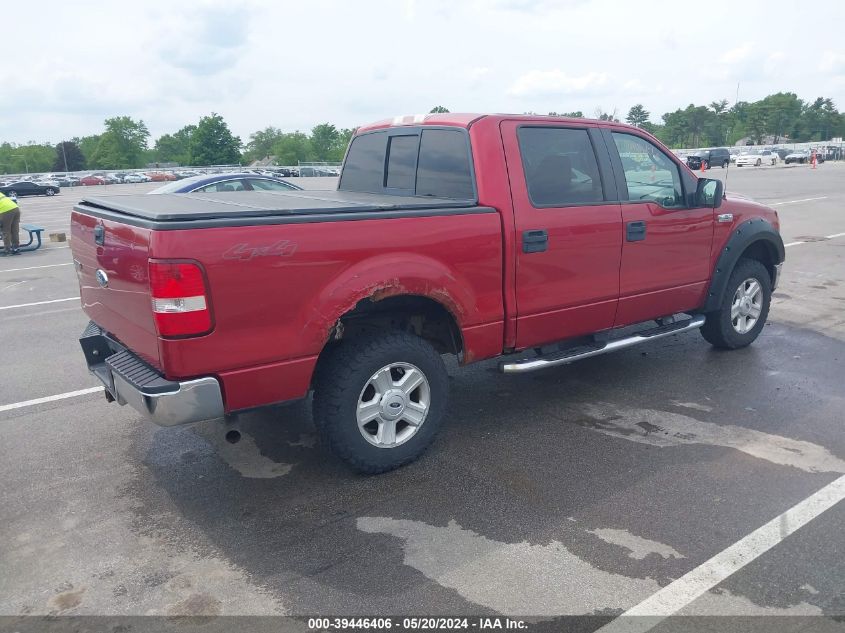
{"x": 65, "y": 67}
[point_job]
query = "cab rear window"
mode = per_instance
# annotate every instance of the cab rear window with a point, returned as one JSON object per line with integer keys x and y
{"x": 411, "y": 161}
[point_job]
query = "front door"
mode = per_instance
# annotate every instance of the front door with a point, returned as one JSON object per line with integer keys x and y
{"x": 666, "y": 249}
{"x": 568, "y": 230}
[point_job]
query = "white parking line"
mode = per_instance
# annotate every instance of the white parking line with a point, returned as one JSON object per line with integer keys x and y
{"x": 14, "y": 270}
{"x": 37, "y": 303}
{"x": 58, "y": 396}
{"x": 827, "y": 237}
{"x": 780, "y": 204}
{"x": 694, "y": 584}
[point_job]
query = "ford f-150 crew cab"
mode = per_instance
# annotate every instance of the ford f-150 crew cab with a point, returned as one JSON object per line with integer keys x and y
{"x": 537, "y": 240}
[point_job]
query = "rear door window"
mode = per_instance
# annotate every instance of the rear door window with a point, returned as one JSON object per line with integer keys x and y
{"x": 410, "y": 161}
{"x": 560, "y": 166}
{"x": 401, "y": 162}
{"x": 444, "y": 169}
{"x": 364, "y": 166}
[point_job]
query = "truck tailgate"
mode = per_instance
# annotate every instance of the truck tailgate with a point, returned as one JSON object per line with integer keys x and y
{"x": 111, "y": 260}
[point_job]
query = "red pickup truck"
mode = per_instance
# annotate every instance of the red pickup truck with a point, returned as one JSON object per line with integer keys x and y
{"x": 538, "y": 240}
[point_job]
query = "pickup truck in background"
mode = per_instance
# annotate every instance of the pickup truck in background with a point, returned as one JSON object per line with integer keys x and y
{"x": 536, "y": 240}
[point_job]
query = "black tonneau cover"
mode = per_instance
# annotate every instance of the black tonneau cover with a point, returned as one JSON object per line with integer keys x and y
{"x": 244, "y": 207}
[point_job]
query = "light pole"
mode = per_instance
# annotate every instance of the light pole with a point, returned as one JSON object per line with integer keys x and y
{"x": 25, "y": 162}
{"x": 64, "y": 154}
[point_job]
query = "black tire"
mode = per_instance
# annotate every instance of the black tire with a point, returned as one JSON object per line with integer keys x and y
{"x": 725, "y": 163}
{"x": 50, "y": 192}
{"x": 758, "y": 163}
{"x": 706, "y": 165}
{"x": 344, "y": 373}
{"x": 718, "y": 329}
{"x": 12, "y": 194}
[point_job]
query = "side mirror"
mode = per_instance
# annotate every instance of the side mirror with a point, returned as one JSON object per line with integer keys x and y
{"x": 709, "y": 193}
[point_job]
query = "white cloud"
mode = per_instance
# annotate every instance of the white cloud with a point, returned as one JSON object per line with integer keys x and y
{"x": 832, "y": 62}
{"x": 556, "y": 82}
{"x": 737, "y": 54}
{"x": 294, "y": 65}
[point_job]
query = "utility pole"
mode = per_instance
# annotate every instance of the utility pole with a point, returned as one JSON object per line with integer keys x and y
{"x": 25, "y": 162}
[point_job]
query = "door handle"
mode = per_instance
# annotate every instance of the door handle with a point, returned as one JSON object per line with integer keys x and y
{"x": 635, "y": 231}
{"x": 535, "y": 241}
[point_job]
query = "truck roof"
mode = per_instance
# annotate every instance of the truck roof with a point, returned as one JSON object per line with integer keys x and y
{"x": 466, "y": 119}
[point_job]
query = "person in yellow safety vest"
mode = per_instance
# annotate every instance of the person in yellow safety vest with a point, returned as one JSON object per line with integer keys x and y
{"x": 10, "y": 220}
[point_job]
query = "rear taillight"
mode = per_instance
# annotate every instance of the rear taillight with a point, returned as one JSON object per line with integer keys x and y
{"x": 180, "y": 299}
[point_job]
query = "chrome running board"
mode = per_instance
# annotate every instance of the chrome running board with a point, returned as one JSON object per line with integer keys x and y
{"x": 570, "y": 356}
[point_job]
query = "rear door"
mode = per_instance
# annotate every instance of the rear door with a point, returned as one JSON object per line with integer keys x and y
{"x": 666, "y": 250}
{"x": 568, "y": 230}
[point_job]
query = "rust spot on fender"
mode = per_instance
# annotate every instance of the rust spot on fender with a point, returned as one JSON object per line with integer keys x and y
{"x": 384, "y": 290}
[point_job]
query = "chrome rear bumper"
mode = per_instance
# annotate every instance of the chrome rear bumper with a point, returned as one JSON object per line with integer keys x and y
{"x": 129, "y": 380}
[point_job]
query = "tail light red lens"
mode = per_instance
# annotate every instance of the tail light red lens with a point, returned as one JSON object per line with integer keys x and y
{"x": 179, "y": 299}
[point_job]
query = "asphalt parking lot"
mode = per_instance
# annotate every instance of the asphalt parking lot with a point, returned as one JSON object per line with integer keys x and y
{"x": 584, "y": 489}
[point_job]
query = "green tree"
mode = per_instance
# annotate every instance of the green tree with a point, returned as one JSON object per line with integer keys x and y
{"x": 438, "y": 110}
{"x": 212, "y": 143}
{"x": 176, "y": 147}
{"x": 261, "y": 143}
{"x": 820, "y": 121}
{"x": 122, "y": 145}
{"x": 637, "y": 115}
{"x": 293, "y": 147}
{"x": 31, "y": 158}
{"x": 68, "y": 157}
{"x": 601, "y": 115}
{"x": 324, "y": 141}
{"x": 782, "y": 112}
{"x": 343, "y": 137}
{"x": 87, "y": 145}
{"x": 756, "y": 122}
{"x": 577, "y": 114}
{"x": 719, "y": 107}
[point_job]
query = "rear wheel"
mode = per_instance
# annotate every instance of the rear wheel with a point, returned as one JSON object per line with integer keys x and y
{"x": 12, "y": 194}
{"x": 50, "y": 192}
{"x": 725, "y": 163}
{"x": 743, "y": 309}
{"x": 379, "y": 400}
{"x": 759, "y": 162}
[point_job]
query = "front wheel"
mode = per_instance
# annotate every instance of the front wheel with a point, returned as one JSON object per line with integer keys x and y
{"x": 50, "y": 192}
{"x": 743, "y": 309}
{"x": 379, "y": 400}
{"x": 725, "y": 163}
{"x": 759, "y": 162}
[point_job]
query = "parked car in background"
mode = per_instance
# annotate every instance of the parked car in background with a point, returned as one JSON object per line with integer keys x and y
{"x": 714, "y": 157}
{"x": 226, "y": 182}
{"x": 819, "y": 155}
{"x": 161, "y": 176}
{"x": 755, "y": 158}
{"x": 112, "y": 179}
{"x": 91, "y": 180}
{"x": 782, "y": 152}
{"x": 769, "y": 156}
{"x": 27, "y": 188}
{"x": 136, "y": 177}
{"x": 61, "y": 180}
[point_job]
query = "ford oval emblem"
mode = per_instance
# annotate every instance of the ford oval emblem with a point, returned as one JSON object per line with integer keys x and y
{"x": 102, "y": 278}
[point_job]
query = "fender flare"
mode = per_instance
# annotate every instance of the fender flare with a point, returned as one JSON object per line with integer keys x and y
{"x": 748, "y": 233}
